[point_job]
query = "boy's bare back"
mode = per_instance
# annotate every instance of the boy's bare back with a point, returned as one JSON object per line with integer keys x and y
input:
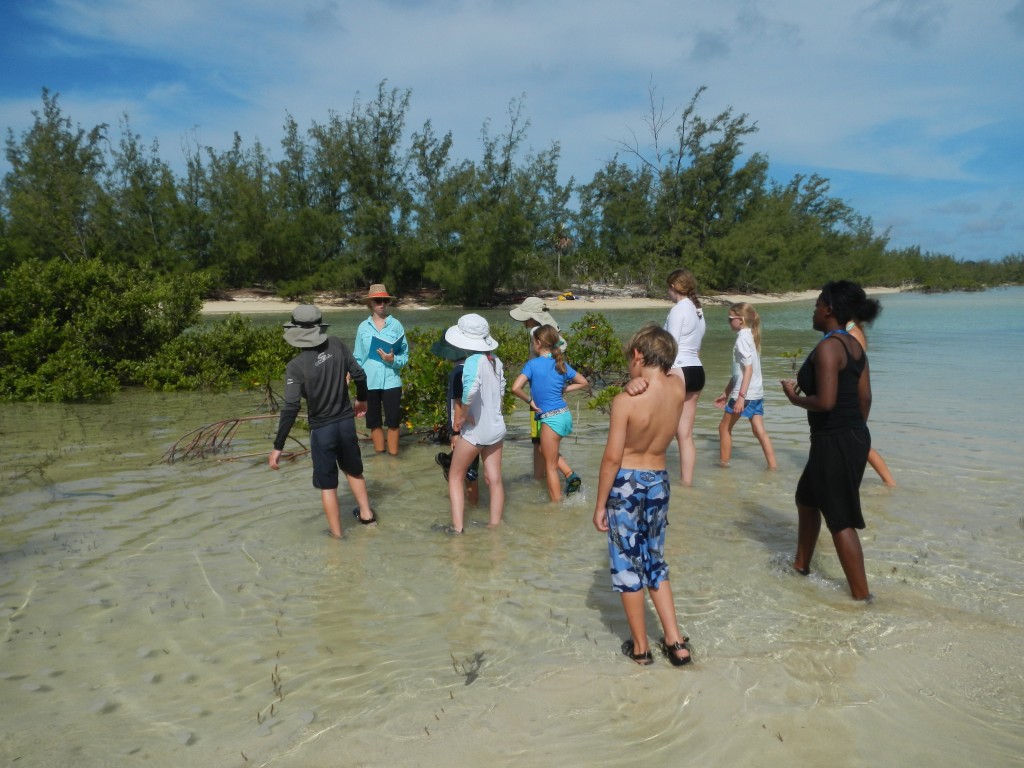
{"x": 651, "y": 419}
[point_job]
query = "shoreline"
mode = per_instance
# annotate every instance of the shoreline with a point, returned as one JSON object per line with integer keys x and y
{"x": 246, "y": 303}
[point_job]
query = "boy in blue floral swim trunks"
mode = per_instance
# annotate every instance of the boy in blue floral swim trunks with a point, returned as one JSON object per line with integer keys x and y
{"x": 633, "y": 493}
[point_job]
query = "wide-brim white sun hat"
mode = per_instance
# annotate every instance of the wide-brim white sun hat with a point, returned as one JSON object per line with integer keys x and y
{"x": 472, "y": 333}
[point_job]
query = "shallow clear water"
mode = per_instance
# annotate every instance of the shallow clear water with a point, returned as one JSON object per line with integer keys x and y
{"x": 154, "y": 614}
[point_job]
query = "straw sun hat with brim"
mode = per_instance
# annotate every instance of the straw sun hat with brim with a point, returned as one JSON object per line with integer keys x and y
{"x": 533, "y": 308}
{"x": 378, "y": 291}
{"x": 472, "y": 334}
{"x": 307, "y": 328}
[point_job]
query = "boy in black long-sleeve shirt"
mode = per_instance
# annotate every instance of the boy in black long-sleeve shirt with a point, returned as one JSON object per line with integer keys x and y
{"x": 318, "y": 373}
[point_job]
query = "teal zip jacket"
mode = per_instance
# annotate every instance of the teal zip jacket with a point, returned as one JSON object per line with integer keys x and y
{"x": 381, "y": 375}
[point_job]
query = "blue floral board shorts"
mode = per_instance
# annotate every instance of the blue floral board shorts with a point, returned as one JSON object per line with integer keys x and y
{"x": 637, "y": 518}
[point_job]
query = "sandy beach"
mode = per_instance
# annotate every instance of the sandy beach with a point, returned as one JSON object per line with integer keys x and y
{"x": 251, "y": 303}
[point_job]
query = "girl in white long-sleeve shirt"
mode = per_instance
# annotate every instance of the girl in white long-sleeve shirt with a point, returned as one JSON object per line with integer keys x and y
{"x": 477, "y": 418}
{"x": 686, "y": 324}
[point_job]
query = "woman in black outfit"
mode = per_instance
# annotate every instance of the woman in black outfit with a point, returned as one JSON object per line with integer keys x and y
{"x": 834, "y": 386}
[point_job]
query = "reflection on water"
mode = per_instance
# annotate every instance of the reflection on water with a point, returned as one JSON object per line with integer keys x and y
{"x": 197, "y": 614}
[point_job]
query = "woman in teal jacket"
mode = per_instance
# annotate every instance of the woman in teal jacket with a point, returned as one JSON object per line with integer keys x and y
{"x": 382, "y": 351}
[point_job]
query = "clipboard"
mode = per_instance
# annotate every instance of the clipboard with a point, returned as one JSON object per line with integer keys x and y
{"x": 388, "y": 347}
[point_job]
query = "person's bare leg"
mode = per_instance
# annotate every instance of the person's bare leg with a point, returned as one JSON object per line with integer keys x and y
{"x": 684, "y": 434}
{"x": 491, "y": 461}
{"x": 851, "y": 556}
{"x": 357, "y": 484}
{"x": 329, "y": 499}
{"x": 563, "y": 466}
{"x": 725, "y": 437}
{"x": 472, "y": 488}
{"x": 633, "y": 604}
{"x": 808, "y": 528}
{"x": 661, "y": 596}
{"x": 757, "y": 425}
{"x": 878, "y": 464}
{"x": 549, "y": 442}
{"x": 463, "y": 454}
{"x": 393, "y": 440}
{"x": 377, "y": 436}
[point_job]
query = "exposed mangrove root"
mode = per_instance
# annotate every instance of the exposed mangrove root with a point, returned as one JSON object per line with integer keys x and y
{"x": 212, "y": 439}
{"x": 270, "y": 400}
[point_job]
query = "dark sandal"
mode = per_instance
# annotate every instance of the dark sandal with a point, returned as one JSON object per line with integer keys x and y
{"x": 672, "y": 650}
{"x": 371, "y": 521}
{"x": 444, "y": 461}
{"x": 643, "y": 659}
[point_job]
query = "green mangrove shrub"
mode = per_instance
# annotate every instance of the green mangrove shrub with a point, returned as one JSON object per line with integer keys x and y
{"x": 74, "y": 331}
{"x": 217, "y": 357}
{"x": 595, "y": 350}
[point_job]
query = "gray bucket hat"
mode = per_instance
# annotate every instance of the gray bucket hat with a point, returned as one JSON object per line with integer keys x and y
{"x": 306, "y": 328}
{"x": 533, "y": 308}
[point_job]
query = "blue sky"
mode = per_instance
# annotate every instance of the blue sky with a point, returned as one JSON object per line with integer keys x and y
{"x": 914, "y": 109}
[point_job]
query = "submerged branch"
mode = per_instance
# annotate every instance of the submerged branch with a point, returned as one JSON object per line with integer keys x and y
{"x": 215, "y": 438}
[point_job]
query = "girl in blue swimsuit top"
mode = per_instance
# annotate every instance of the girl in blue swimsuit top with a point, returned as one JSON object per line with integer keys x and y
{"x": 550, "y": 377}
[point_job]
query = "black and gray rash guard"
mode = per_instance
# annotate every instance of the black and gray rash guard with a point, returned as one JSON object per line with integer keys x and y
{"x": 318, "y": 374}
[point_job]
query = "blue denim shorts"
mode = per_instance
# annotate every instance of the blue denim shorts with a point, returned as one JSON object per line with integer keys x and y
{"x": 751, "y": 408}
